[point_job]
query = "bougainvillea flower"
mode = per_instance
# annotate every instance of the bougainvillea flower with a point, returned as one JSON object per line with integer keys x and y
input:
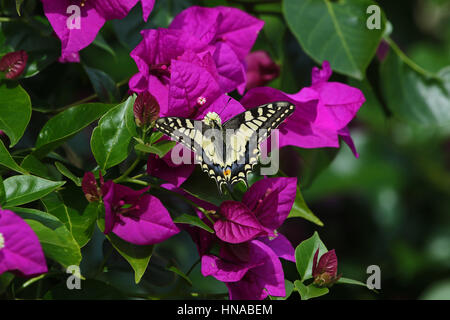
{"x": 164, "y": 168}
{"x": 324, "y": 272}
{"x": 135, "y": 216}
{"x": 231, "y": 31}
{"x": 176, "y": 68}
{"x": 263, "y": 209}
{"x": 20, "y": 250}
{"x": 261, "y": 69}
{"x": 250, "y": 270}
{"x": 13, "y": 64}
{"x": 93, "y": 13}
{"x": 232, "y": 26}
{"x": 322, "y": 112}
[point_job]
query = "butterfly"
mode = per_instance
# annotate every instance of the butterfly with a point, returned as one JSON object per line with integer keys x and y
{"x": 227, "y": 152}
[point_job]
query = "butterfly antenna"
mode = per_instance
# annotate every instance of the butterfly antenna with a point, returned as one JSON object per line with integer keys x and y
{"x": 229, "y": 99}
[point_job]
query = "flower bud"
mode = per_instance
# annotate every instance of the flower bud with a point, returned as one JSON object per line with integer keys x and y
{"x": 325, "y": 272}
{"x": 261, "y": 69}
{"x": 146, "y": 109}
{"x": 90, "y": 187}
{"x": 13, "y": 64}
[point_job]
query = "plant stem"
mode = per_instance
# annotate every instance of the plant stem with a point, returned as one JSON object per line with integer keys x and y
{"x": 408, "y": 61}
{"x": 193, "y": 267}
{"x": 128, "y": 171}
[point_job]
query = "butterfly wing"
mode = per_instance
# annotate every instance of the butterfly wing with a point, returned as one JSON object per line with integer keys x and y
{"x": 248, "y": 130}
{"x": 201, "y": 138}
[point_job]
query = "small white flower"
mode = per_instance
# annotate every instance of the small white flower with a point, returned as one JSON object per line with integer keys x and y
{"x": 2, "y": 241}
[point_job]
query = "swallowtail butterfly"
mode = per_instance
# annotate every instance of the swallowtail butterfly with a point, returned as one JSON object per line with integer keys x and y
{"x": 227, "y": 152}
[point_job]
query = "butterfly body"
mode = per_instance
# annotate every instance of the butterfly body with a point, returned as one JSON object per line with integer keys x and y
{"x": 227, "y": 152}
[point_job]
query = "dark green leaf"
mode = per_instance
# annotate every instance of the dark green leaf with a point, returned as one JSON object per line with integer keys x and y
{"x": 160, "y": 148}
{"x": 335, "y": 31}
{"x": 137, "y": 256}
{"x": 56, "y": 240}
{"x": 5, "y": 279}
{"x": 24, "y": 189}
{"x": 414, "y": 95}
{"x": 180, "y": 273}
{"x": 2, "y": 192}
{"x": 111, "y": 138}
{"x": 304, "y": 255}
{"x": 15, "y": 110}
{"x": 81, "y": 225}
{"x": 7, "y": 161}
{"x": 194, "y": 221}
{"x": 63, "y": 126}
{"x": 90, "y": 290}
{"x": 301, "y": 210}
{"x": 35, "y": 166}
{"x": 66, "y": 172}
{"x": 104, "y": 86}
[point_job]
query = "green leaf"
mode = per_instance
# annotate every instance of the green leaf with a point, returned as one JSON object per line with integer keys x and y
{"x": 413, "y": 94}
{"x": 5, "y": 279}
{"x": 289, "y": 289}
{"x": 24, "y": 189}
{"x": 7, "y": 161}
{"x": 15, "y": 110}
{"x": 56, "y": 240}
{"x": 81, "y": 225}
{"x": 104, "y": 86}
{"x": 351, "y": 281}
{"x": 66, "y": 172}
{"x": 101, "y": 43}
{"x": 180, "y": 273}
{"x": 301, "y": 210}
{"x": 155, "y": 137}
{"x": 194, "y": 221}
{"x": 335, "y": 31}
{"x": 63, "y": 126}
{"x": 35, "y": 166}
{"x": 36, "y": 38}
{"x": 314, "y": 161}
{"x": 111, "y": 138}
{"x": 161, "y": 148}
{"x": 137, "y": 256}
{"x": 310, "y": 291}
{"x": 304, "y": 255}
{"x": 2, "y": 192}
{"x": 91, "y": 289}
{"x": 18, "y": 5}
